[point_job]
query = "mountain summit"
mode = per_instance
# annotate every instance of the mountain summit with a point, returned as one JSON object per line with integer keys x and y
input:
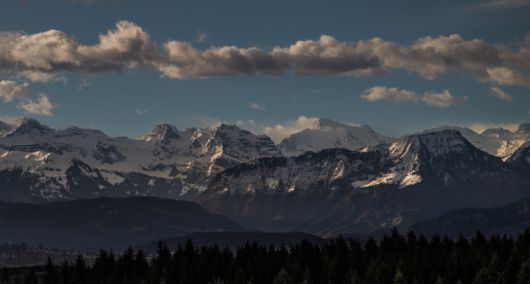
{"x": 331, "y": 134}
{"x": 162, "y": 133}
{"x": 498, "y": 141}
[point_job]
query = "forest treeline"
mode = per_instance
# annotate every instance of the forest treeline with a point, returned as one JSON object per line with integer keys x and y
{"x": 394, "y": 259}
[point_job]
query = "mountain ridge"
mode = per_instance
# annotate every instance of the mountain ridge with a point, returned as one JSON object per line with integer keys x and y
{"x": 247, "y": 178}
{"x": 412, "y": 178}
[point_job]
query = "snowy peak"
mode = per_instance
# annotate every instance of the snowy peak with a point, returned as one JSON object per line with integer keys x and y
{"x": 416, "y": 156}
{"x": 232, "y": 141}
{"x": 499, "y": 142}
{"x": 230, "y": 130}
{"x": 163, "y": 133}
{"x": 436, "y": 143}
{"x": 29, "y": 126}
{"x": 328, "y": 134}
{"x": 445, "y": 156}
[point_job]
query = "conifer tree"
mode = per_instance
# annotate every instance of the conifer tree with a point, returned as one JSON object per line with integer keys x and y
{"x": 66, "y": 273}
{"x": 51, "y": 276}
{"x": 5, "y": 275}
{"x": 283, "y": 277}
{"x": 141, "y": 267}
{"x": 399, "y": 278}
{"x": 524, "y": 273}
{"x": 353, "y": 278}
{"x": 31, "y": 277}
{"x": 80, "y": 270}
{"x": 485, "y": 276}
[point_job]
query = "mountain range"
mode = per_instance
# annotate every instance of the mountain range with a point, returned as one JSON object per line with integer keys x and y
{"x": 336, "y": 190}
{"x": 333, "y": 178}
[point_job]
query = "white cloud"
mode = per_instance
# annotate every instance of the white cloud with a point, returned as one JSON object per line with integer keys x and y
{"x": 499, "y": 93}
{"x": 44, "y": 55}
{"x": 506, "y": 76}
{"x": 14, "y": 91}
{"x": 396, "y": 95}
{"x": 428, "y": 57}
{"x": 37, "y": 76}
{"x": 380, "y": 93}
{"x": 443, "y": 99}
{"x": 257, "y": 106}
{"x": 141, "y": 111}
{"x": 41, "y": 106}
{"x": 10, "y": 119}
{"x": 185, "y": 62}
{"x": 11, "y": 90}
{"x": 280, "y": 131}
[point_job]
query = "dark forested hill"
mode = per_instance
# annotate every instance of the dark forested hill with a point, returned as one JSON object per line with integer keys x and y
{"x": 510, "y": 219}
{"x": 105, "y": 222}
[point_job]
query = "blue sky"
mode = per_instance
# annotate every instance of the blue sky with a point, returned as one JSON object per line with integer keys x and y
{"x": 133, "y": 100}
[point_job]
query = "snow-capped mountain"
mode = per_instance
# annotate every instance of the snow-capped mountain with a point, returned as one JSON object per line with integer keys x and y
{"x": 338, "y": 190}
{"x": 162, "y": 134}
{"x": 40, "y": 163}
{"x": 245, "y": 176}
{"x": 331, "y": 134}
{"x": 499, "y": 142}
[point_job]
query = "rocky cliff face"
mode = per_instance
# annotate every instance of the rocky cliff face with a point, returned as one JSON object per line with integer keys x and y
{"x": 388, "y": 185}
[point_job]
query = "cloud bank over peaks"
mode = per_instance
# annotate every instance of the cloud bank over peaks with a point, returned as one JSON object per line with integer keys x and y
{"x": 280, "y": 131}
{"x": 45, "y": 55}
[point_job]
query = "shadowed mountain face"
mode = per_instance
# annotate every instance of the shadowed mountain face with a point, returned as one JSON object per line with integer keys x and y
{"x": 339, "y": 191}
{"x": 511, "y": 219}
{"x": 105, "y": 222}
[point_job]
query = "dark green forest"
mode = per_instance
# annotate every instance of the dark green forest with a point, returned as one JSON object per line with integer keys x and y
{"x": 396, "y": 258}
